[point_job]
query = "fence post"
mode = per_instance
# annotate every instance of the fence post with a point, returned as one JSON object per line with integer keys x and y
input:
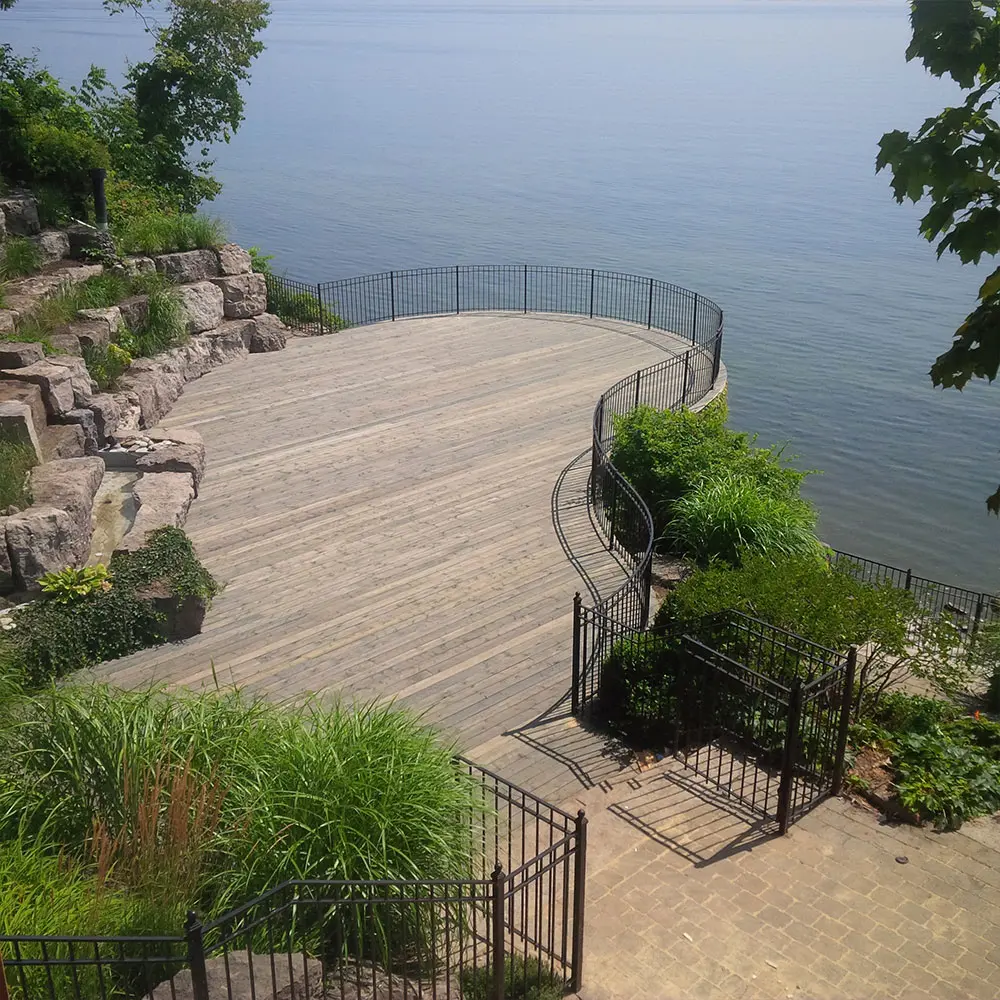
{"x": 576, "y": 653}
{"x": 392, "y": 293}
{"x": 638, "y": 377}
{"x": 717, "y": 359}
{"x": 909, "y": 579}
{"x": 591, "y": 293}
{"x": 319, "y": 307}
{"x": 647, "y": 587}
{"x": 579, "y": 899}
{"x": 649, "y": 312}
{"x": 788, "y": 762}
{"x": 614, "y": 514}
{"x": 196, "y": 956}
{"x": 525, "y": 287}
{"x": 694, "y": 318}
{"x": 846, "y": 704}
{"x": 499, "y": 935}
{"x": 977, "y": 618}
{"x": 457, "y": 310}
{"x": 687, "y": 377}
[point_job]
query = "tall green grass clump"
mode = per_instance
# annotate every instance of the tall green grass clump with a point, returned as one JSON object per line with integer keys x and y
{"x": 726, "y": 495}
{"x": 19, "y": 258}
{"x": 162, "y": 328}
{"x": 159, "y": 232}
{"x": 730, "y": 515}
{"x": 304, "y": 792}
{"x": 17, "y": 459}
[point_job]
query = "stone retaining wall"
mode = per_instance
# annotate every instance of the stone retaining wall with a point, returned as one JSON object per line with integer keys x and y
{"x": 50, "y": 402}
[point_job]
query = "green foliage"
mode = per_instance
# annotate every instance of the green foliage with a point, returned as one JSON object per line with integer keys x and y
{"x": 638, "y": 687}
{"x": 954, "y": 160}
{"x": 300, "y": 308}
{"x": 260, "y": 262}
{"x": 161, "y": 232}
{"x": 690, "y": 466}
{"x": 523, "y": 980}
{"x": 106, "y": 364}
{"x": 17, "y": 459}
{"x": 162, "y": 328}
{"x": 306, "y": 792}
{"x": 69, "y": 585}
{"x": 52, "y": 638}
{"x": 801, "y": 594}
{"x": 984, "y": 658}
{"x": 19, "y": 257}
{"x": 729, "y": 515}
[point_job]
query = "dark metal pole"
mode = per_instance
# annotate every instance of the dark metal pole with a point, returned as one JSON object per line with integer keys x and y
{"x": 392, "y": 293}
{"x": 97, "y": 177}
{"x": 614, "y": 514}
{"x": 687, "y": 377}
{"x": 499, "y": 935}
{"x": 591, "y": 293}
{"x": 579, "y": 900}
{"x": 456, "y": 291}
{"x": 319, "y": 307}
{"x": 694, "y": 318}
{"x": 649, "y": 313}
{"x": 196, "y": 956}
{"x": 909, "y": 579}
{"x": 847, "y": 702}
{"x": 525, "y": 287}
{"x": 788, "y": 763}
{"x": 4, "y": 994}
{"x": 638, "y": 377}
{"x": 717, "y": 359}
{"x": 577, "y": 609}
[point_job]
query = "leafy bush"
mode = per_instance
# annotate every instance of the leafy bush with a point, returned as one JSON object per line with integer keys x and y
{"x": 260, "y": 262}
{"x": 802, "y": 594}
{"x": 161, "y": 232}
{"x": 523, "y": 980}
{"x": 729, "y": 515}
{"x": 106, "y": 364}
{"x": 16, "y": 461}
{"x": 300, "y": 308}
{"x": 68, "y": 586}
{"x": 19, "y": 257}
{"x": 638, "y": 687}
{"x": 307, "y": 792}
{"x": 690, "y": 466}
{"x": 51, "y": 638}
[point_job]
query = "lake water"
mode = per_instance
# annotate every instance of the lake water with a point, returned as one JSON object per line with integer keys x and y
{"x": 728, "y": 147}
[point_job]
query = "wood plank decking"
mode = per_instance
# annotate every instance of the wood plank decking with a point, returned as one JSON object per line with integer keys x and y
{"x": 378, "y": 504}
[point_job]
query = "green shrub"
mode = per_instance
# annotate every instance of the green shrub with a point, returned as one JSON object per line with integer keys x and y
{"x": 638, "y": 687}
{"x": 19, "y": 257}
{"x": 831, "y": 608}
{"x": 161, "y": 232}
{"x": 62, "y": 159}
{"x": 306, "y": 792}
{"x": 70, "y": 585}
{"x": 51, "y": 638}
{"x": 692, "y": 459}
{"x": 260, "y": 262}
{"x": 728, "y": 515}
{"x": 299, "y": 308}
{"x": 16, "y": 461}
{"x": 106, "y": 364}
{"x": 523, "y": 980}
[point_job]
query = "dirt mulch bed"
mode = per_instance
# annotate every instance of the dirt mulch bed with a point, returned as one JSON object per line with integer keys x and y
{"x": 872, "y": 766}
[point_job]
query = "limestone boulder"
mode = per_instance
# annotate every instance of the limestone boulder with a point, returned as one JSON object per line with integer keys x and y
{"x": 175, "y": 450}
{"x": 83, "y": 385}
{"x": 41, "y": 540}
{"x": 201, "y": 306}
{"x": 129, "y": 411}
{"x": 3, "y": 227}
{"x": 269, "y": 334}
{"x": 8, "y": 320}
{"x": 107, "y": 415}
{"x": 18, "y": 355}
{"x": 54, "y": 380}
{"x": 156, "y": 392}
{"x": 233, "y": 259}
{"x": 140, "y": 265}
{"x": 70, "y": 485}
{"x": 228, "y": 341}
{"x": 26, "y": 392}
{"x": 188, "y": 267}
{"x": 84, "y": 419}
{"x": 17, "y": 425}
{"x": 162, "y": 499}
{"x": 243, "y": 295}
{"x": 20, "y": 213}
{"x": 134, "y": 311}
{"x": 111, "y": 318}
{"x": 63, "y": 441}
{"x": 7, "y": 582}
{"x": 52, "y": 244}
{"x": 66, "y": 343}
{"x": 82, "y": 241}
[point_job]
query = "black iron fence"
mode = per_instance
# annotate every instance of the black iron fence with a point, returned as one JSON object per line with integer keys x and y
{"x": 758, "y": 712}
{"x": 516, "y": 920}
{"x": 968, "y": 610}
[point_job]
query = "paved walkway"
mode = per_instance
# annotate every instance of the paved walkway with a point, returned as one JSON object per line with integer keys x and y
{"x": 382, "y": 504}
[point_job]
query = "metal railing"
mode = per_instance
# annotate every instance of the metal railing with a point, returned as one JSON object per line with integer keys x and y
{"x": 517, "y": 917}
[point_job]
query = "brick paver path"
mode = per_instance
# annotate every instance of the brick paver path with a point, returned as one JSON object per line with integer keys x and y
{"x": 690, "y": 898}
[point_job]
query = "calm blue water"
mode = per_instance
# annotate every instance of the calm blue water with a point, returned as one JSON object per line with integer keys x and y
{"x": 728, "y": 147}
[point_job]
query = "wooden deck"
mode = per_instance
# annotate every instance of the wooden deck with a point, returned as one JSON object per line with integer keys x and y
{"x": 379, "y": 504}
